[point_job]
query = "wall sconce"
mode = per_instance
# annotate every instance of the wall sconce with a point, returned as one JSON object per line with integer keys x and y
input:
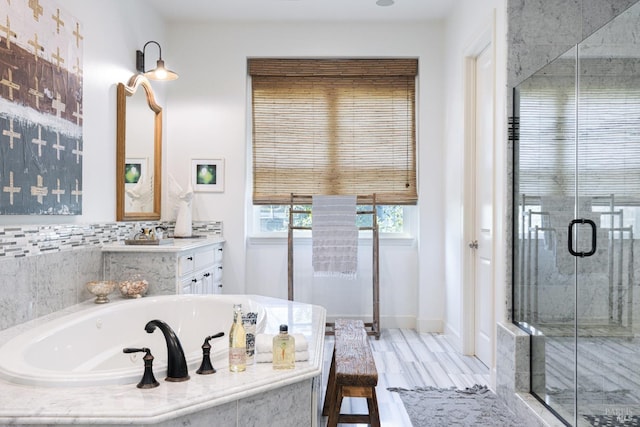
{"x": 158, "y": 73}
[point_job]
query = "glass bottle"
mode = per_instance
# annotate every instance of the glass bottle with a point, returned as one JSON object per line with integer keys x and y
{"x": 284, "y": 349}
{"x": 237, "y": 342}
{"x": 249, "y": 321}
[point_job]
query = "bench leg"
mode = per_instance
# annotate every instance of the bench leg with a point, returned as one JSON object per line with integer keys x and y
{"x": 334, "y": 409}
{"x": 331, "y": 387}
{"x": 372, "y": 403}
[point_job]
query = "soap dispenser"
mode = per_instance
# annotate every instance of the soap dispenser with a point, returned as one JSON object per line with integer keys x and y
{"x": 284, "y": 349}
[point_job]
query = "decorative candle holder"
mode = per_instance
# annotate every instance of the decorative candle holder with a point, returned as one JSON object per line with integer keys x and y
{"x": 101, "y": 288}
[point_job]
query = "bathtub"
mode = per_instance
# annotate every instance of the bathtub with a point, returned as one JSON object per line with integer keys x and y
{"x": 45, "y": 360}
{"x": 85, "y": 348}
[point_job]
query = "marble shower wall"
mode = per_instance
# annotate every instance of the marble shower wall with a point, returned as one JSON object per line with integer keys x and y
{"x": 541, "y": 30}
{"x": 44, "y": 268}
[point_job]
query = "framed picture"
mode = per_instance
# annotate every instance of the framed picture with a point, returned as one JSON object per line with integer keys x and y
{"x": 134, "y": 168}
{"x": 207, "y": 175}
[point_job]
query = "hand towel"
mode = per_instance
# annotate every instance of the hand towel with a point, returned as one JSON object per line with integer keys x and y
{"x": 264, "y": 343}
{"x": 334, "y": 236}
{"x": 301, "y": 356}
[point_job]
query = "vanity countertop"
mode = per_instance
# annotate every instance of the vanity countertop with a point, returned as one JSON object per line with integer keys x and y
{"x": 178, "y": 245}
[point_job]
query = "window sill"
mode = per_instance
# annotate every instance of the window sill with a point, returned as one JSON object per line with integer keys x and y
{"x": 304, "y": 238}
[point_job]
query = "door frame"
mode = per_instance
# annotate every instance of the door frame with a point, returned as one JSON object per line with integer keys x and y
{"x": 485, "y": 39}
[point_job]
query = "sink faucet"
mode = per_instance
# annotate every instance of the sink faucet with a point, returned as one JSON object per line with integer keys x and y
{"x": 177, "y": 365}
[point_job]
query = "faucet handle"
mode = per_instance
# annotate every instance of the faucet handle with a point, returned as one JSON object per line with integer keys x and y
{"x": 135, "y": 350}
{"x": 148, "y": 380}
{"x": 205, "y": 367}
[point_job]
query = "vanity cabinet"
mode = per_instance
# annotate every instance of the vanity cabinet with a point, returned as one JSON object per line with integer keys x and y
{"x": 200, "y": 271}
{"x": 186, "y": 266}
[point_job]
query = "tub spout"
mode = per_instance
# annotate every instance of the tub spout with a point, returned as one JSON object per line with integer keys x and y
{"x": 177, "y": 364}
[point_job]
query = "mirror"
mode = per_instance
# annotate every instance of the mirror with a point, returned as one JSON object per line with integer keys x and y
{"x": 138, "y": 151}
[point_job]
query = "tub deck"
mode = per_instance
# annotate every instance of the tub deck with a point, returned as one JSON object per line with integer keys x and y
{"x": 247, "y": 398}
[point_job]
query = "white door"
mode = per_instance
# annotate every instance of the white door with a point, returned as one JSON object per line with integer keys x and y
{"x": 483, "y": 222}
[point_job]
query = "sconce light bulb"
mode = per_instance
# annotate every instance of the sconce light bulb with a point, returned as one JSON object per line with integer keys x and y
{"x": 161, "y": 73}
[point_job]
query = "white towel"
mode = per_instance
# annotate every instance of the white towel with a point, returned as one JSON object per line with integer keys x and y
{"x": 301, "y": 356}
{"x": 264, "y": 343}
{"x": 334, "y": 236}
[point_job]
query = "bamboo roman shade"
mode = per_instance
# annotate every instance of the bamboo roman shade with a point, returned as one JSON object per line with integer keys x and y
{"x": 334, "y": 126}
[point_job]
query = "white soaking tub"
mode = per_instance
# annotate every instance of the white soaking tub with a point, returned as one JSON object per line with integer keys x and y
{"x": 45, "y": 360}
{"x": 85, "y": 348}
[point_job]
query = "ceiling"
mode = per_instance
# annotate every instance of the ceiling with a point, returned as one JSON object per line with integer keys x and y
{"x": 300, "y": 10}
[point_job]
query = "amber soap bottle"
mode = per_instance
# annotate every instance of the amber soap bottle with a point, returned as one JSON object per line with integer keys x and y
{"x": 284, "y": 349}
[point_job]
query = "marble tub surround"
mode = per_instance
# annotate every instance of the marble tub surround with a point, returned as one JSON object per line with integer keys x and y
{"x": 35, "y": 286}
{"x": 45, "y": 268}
{"x": 290, "y": 398}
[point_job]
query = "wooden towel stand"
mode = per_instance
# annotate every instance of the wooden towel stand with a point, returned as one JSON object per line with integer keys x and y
{"x": 372, "y": 328}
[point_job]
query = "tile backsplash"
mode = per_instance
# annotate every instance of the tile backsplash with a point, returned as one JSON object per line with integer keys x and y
{"x": 44, "y": 268}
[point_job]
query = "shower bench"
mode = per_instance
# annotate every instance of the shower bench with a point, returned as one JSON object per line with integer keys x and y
{"x": 352, "y": 374}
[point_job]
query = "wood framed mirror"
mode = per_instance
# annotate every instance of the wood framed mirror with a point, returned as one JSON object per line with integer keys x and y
{"x": 138, "y": 151}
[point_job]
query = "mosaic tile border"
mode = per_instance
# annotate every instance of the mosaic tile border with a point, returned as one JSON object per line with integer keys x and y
{"x": 30, "y": 240}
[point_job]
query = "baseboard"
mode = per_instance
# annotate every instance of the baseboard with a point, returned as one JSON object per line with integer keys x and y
{"x": 453, "y": 338}
{"x": 386, "y": 322}
{"x": 430, "y": 325}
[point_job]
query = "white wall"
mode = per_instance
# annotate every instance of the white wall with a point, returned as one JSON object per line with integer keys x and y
{"x": 469, "y": 21}
{"x": 208, "y": 117}
{"x": 112, "y": 32}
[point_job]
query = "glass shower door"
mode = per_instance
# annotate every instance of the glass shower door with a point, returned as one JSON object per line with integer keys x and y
{"x": 544, "y": 271}
{"x": 608, "y": 193}
{"x": 577, "y": 199}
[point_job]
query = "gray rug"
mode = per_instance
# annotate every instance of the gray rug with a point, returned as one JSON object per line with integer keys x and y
{"x": 476, "y": 406}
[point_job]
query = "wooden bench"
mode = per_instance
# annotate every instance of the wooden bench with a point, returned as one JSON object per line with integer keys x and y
{"x": 352, "y": 374}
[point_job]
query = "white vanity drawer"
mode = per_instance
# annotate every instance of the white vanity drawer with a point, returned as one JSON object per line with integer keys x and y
{"x": 186, "y": 264}
{"x": 204, "y": 259}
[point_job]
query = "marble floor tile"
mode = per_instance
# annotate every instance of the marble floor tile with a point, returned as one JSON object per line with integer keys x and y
{"x": 408, "y": 359}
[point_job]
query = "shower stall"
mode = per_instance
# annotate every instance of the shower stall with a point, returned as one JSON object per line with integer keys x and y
{"x": 576, "y": 133}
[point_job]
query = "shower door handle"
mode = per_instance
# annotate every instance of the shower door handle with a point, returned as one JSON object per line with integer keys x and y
{"x": 593, "y": 237}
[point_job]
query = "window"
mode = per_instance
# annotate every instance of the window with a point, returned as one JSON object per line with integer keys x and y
{"x": 391, "y": 218}
{"x": 333, "y": 126}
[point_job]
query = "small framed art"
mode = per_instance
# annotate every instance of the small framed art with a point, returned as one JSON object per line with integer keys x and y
{"x": 134, "y": 169}
{"x": 207, "y": 175}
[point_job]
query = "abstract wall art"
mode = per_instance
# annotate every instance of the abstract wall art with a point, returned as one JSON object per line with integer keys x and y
{"x": 41, "y": 144}
{"x": 207, "y": 175}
